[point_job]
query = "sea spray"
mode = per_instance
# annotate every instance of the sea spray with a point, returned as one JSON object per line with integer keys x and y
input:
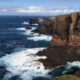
{"x": 25, "y": 63}
{"x": 35, "y": 36}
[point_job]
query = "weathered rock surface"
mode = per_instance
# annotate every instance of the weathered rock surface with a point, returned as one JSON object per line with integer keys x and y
{"x": 59, "y": 55}
{"x": 67, "y": 28}
{"x": 27, "y": 28}
{"x": 65, "y": 44}
{"x": 45, "y": 27}
{"x": 34, "y": 21}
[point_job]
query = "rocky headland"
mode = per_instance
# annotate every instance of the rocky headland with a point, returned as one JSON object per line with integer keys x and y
{"x": 45, "y": 25}
{"x": 65, "y": 44}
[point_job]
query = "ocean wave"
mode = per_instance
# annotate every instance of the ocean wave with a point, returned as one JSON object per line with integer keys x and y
{"x": 25, "y": 63}
{"x": 73, "y": 64}
{"x": 26, "y": 32}
{"x": 37, "y": 37}
{"x": 25, "y": 23}
{"x": 35, "y": 24}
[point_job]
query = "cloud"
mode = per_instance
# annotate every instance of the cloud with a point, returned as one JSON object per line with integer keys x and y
{"x": 33, "y": 9}
{"x": 36, "y": 10}
{"x": 4, "y": 10}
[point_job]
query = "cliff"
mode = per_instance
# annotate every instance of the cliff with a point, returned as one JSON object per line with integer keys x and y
{"x": 45, "y": 25}
{"x": 65, "y": 44}
{"x": 67, "y": 29}
{"x": 34, "y": 21}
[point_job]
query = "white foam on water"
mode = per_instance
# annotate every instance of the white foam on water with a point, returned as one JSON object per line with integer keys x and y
{"x": 25, "y": 23}
{"x": 25, "y": 63}
{"x": 7, "y": 76}
{"x": 40, "y": 37}
{"x": 26, "y": 32}
{"x": 73, "y": 64}
{"x": 35, "y": 24}
{"x": 35, "y": 36}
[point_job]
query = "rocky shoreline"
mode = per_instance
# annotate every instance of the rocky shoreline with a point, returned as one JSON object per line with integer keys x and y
{"x": 65, "y": 44}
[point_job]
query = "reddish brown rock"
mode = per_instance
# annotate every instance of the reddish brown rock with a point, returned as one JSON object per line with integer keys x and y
{"x": 65, "y": 44}
{"x": 56, "y": 41}
{"x": 61, "y": 26}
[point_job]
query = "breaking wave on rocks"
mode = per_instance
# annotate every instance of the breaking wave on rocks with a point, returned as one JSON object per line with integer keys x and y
{"x": 25, "y": 23}
{"x": 24, "y": 64}
{"x": 35, "y": 36}
{"x": 40, "y": 37}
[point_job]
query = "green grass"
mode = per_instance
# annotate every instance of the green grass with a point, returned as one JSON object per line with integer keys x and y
{"x": 69, "y": 77}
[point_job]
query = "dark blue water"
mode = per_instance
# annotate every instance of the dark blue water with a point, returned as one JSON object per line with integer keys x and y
{"x": 11, "y": 39}
{"x": 13, "y": 43}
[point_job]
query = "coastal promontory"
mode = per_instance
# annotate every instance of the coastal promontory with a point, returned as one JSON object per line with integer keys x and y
{"x": 65, "y": 44}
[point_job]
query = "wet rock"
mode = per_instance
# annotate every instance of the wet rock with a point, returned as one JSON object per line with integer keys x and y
{"x": 59, "y": 55}
{"x": 27, "y": 28}
{"x": 77, "y": 73}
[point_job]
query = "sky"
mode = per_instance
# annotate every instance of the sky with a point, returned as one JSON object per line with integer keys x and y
{"x": 38, "y": 7}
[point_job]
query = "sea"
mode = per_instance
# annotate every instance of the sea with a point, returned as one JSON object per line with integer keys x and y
{"x": 18, "y": 48}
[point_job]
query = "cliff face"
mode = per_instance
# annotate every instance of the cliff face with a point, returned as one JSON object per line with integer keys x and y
{"x": 34, "y": 21}
{"x": 65, "y": 44}
{"x": 67, "y": 28}
{"x": 45, "y": 26}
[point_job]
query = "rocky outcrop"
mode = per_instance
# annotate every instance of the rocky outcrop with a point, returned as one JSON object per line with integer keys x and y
{"x": 65, "y": 44}
{"x": 33, "y": 21}
{"x": 67, "y": 28}
{"x": 59, "y": 55}
{"x": 27, "y": 28}
{"x": 45, "y": 26}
